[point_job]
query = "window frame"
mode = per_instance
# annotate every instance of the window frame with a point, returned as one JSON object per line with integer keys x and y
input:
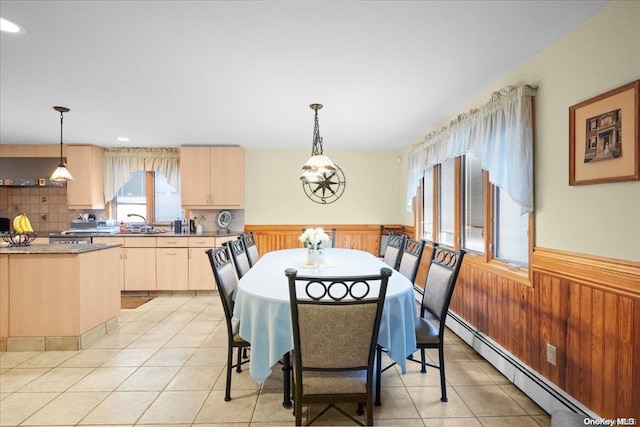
{"x": 486, "y": 260}
{"x": 111, "y": 208}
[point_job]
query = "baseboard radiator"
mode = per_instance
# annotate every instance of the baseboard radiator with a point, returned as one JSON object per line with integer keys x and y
{"x": 539, "y": 389}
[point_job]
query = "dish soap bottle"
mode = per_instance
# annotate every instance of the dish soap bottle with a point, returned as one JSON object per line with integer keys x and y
{"x": 122, "y": 227}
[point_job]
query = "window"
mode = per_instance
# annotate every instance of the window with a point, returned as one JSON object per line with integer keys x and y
{"x": 427, "y": 219}
{"x": 511, "y": 240}
{"x": 473, "y": 204}
{"x": 447, "y": 196}
{"x": 150, "y": 195}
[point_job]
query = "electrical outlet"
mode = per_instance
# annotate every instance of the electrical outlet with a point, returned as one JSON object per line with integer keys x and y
{"x": 551, "y": 354}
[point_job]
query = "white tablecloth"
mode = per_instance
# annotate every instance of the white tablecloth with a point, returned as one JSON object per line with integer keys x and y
{"x": 262, "y": 305}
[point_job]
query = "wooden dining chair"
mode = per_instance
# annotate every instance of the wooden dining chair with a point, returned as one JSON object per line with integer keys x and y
{"x": 239, "y": 256}
{"x": 330, "y": 367}
{"x": 251, "y": 247}
{"x": 227, "y": 282}
{"x": 393, "y": 252}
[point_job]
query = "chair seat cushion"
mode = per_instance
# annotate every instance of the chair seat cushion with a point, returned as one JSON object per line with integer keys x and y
{"x": 345, "y": 382}
{"x": 235, "y": 327}
{"x": 427, "y": 330}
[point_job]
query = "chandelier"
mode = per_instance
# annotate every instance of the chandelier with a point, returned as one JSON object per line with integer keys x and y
{"x": 61, "y": 173}
{"x": 319, "y": 167}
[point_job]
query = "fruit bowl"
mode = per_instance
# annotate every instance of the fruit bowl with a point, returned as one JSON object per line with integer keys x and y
{"x": 15, "y": 239}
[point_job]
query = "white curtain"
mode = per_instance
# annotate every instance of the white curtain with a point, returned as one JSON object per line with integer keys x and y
{"x": 120, "y": 163}
{"x": 500, "y": 134}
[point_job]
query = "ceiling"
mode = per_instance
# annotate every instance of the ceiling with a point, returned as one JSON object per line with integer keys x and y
{"x": 171, "y": 73}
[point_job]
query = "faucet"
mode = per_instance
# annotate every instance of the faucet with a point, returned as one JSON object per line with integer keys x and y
{"x": 146, "y": 226}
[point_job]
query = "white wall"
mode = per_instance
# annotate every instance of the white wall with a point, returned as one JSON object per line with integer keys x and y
{"x": 274, "y": 194}
{"x": 600, "y": 55}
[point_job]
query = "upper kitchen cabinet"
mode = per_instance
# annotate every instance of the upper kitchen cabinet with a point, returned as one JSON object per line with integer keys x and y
{"x": 86, "y": 164}
{"x": 212, "y": 177}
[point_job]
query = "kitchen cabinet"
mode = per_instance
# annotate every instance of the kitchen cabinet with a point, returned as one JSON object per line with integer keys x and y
{"x": 139, "y": 264}
{"x": 86, "y": 164}
{"x": 121, "y": 265}
{"x": 172, "y": 264}
{"x": 212, "y": 177}
{"x": 200, "y": 273}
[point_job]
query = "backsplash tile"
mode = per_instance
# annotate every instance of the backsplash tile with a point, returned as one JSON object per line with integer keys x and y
{"x": 46, "y": 208}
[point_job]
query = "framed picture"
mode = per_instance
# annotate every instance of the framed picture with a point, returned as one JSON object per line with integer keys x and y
{"x": 603, "y": 137}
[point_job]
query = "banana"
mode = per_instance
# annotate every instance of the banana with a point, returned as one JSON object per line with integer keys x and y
{"x": 26, "y": 224}
{"x": 17, "y": 224}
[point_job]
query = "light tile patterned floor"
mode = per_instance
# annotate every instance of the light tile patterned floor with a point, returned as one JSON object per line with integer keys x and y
{"x": 164, "y": 365}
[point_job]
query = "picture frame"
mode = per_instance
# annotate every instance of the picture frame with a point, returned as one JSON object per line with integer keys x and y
{"x": 604, "y": 137}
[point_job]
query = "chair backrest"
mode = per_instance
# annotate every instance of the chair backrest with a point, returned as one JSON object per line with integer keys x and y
{"x": 226, "y": 280}
{"x": 239, "y": 255}
{"x": 385, "y": 232}
{"x": 441, "y": 279}
{"x": 393, "y": 251}
{"x": 411, "y": 257}
{"x": 251, "y": 247}
{"x": 354, "y": 305}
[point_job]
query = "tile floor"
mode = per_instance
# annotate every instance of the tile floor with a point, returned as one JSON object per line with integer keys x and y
{"x": 164, "y": 365}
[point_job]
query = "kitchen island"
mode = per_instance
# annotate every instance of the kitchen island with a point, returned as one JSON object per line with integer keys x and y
{"x": 58, "y": 297}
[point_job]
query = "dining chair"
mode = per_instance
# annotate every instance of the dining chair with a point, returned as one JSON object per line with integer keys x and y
{"x": 442, "y": 276}
{"x": 393, "y": 252}
{"x": 239, "y": 255}
{"x": 385, "y": 232}
{"x": 227, "y": 282}
{"x": 410, "y": 258}
{"x": 251, "y": 247}
{"x": 330, "y": 367}
{"x": 444, "y": 266}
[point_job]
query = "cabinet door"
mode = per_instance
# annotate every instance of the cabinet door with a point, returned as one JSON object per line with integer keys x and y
{"x": 200, "y": 273}
{"x": 194, "y": 176}
{"x": 140, "y": 269}
{"x": 86, "y": 164}
{"x": 172, "y": 269}
{"x": 4, "y": 198}
{"x": 119, "y": 240}
{"x": 227, "y": 177}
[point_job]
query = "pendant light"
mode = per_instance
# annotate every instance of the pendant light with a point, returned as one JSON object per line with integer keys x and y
{"x": 319, "y": 167}
{"x": 61, "y": 173}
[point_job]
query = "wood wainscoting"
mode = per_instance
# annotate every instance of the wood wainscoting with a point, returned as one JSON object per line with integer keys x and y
{"x": 587, "y": 307}
{"x": 364, "y": 237}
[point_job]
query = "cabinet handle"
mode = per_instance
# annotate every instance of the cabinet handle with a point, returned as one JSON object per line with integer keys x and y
{"x": 171, "y": 242}
{"x": 171, "y": 253}
{"x": 208, "y": 199}
{"x": 125, "y": 254}
{"x": 211, "y": 200}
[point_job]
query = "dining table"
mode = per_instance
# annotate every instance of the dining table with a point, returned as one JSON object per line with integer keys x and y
{"x": 263, "y": 309}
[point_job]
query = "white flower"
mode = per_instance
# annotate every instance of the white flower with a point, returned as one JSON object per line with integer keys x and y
{"x": 314, "y": 237}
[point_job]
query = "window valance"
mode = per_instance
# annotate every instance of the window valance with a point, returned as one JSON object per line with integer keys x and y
{"x": 499, "y": 133}
{"x": 120, "y": 163}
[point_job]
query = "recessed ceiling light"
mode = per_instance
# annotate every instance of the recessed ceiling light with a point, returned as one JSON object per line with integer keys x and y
{"x": 10, "y": 27}
{"x": 122, "y": 139}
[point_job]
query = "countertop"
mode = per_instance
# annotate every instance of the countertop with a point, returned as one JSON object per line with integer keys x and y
{"x": 167, "y": 234}
{"x": 77, "y": 248}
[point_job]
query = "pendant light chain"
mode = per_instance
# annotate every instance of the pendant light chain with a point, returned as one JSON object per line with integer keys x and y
{"x": 316, "y": 148}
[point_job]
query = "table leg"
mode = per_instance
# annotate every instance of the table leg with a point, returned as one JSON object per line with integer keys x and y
{"x": 286, "y": 377}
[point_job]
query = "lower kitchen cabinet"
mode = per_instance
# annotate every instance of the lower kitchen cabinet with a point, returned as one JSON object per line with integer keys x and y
{"x": 200, "y": 273}
{"x": 120, "y": 241}
{"x": 172, "y": 264}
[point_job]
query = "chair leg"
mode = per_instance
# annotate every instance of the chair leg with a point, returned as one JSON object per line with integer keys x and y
{"x": 227, "y": 393}
{"x": 297, "y": 409}
{"x": 369, "y": 419}
{"x": 239, "y": 365}
{"x": 378, "y": 374}
{"x": 360, "y": 411}
{"x": 443, "y": 386}
{"x": 423, "y": 361}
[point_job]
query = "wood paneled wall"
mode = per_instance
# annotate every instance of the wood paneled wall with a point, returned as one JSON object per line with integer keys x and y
{"x": 587, "y": 307}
